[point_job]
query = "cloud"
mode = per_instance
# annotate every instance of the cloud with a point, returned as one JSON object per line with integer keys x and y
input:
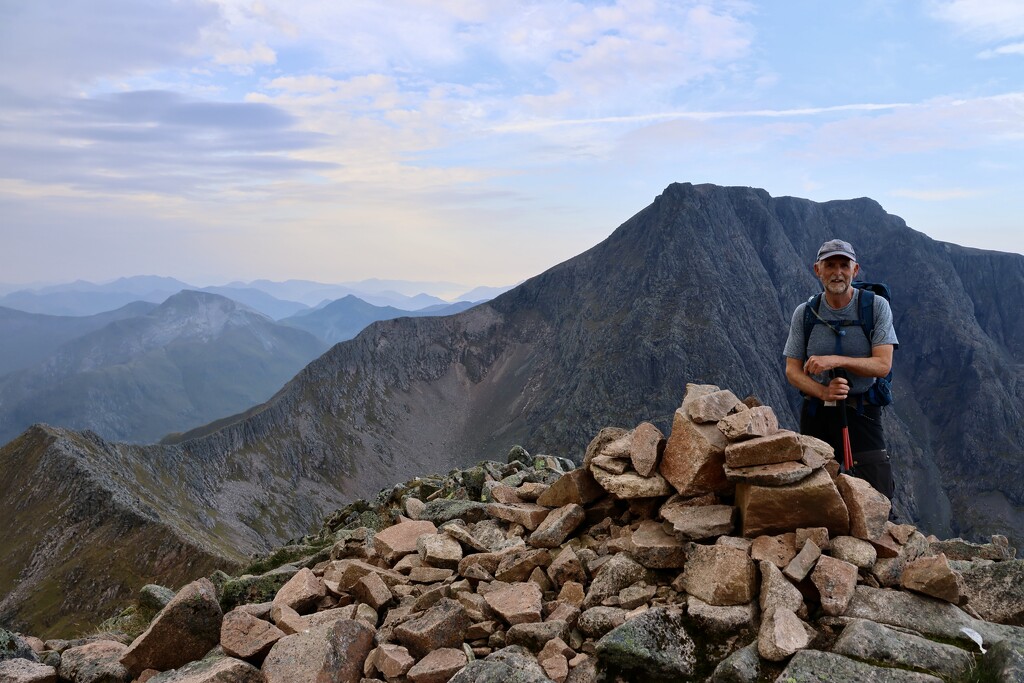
{"x": 259, "y": 53}
{"x": 154, "y": 142}
{"x": 983, "y": 19}
{"x": 1009, "y": 49}
{"x": 51, "y": 45}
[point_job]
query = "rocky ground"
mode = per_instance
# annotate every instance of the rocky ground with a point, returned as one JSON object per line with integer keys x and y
{"x": 730, "y": 551}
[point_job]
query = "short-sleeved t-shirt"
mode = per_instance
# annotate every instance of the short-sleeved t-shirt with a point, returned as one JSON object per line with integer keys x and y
{"x": 855, "y": 342}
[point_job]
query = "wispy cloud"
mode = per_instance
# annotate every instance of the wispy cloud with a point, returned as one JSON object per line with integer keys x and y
{"x": 1010, "y": 49}
{"x": 991, "y": 20}
{"x": 701, "y": 116}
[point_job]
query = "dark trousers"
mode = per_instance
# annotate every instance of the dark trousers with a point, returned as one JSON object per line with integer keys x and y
{"x": 867, "y": 441}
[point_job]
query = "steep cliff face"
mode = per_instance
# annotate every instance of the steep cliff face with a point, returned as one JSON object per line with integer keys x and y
{"x": 698, "y": 287}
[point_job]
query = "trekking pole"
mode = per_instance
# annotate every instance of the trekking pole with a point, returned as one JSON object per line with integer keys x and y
{"x": 847, "y": 450}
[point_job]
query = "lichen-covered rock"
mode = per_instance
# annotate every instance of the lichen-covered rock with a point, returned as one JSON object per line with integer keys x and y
{"x": 443, "y": 625}
{"x": 812, "y": 665}
{"x": 654, "y": 644}
{"x": 18, "y": 670}
{"x": 212, "y": 670}
{"x": 996, "y": 591}
{"x": 96, "y": 662}
{"x": 334, "y": 652}
{"x": 868, "y": 641}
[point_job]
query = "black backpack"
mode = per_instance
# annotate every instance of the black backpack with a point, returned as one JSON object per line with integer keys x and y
{"x": 880, "y": 393}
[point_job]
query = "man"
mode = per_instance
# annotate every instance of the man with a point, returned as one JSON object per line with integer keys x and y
{"x": 838, "y": 365}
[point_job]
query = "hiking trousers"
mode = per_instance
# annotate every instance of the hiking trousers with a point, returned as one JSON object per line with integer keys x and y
{"x": 867, "y": 440}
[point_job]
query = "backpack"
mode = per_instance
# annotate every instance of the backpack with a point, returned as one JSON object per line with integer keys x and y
{"x": 880, "y": 393}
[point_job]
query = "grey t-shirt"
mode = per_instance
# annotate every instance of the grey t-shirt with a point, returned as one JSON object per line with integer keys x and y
{"x": 855, "y": 342}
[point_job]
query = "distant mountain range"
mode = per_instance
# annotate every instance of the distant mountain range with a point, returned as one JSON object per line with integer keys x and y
{"x": 194, "y": 358}
{"x": 697, "y": 287}
{"x": 275, "y": 299}
{"x": 28, "y": 338}
{"x": 345, "y": 318}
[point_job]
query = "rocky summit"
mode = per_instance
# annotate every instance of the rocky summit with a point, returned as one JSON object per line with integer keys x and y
{"x": 730, "y": 550}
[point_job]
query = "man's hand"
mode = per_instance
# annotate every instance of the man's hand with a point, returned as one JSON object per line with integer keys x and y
{"x": 836, "y": 390}
{"x": 818, "y": 365}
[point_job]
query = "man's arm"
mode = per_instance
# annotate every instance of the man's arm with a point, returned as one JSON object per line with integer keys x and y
{"x": 877, "y": 365}
{"x": 836, "y": 390}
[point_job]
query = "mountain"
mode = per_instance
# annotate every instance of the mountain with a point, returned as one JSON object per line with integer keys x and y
{"x": 404, "y": 294}
{"x": 259, "y": 300}
{"x": 698, "y": 287}
{"x": 194, "y": 358}
{"x": 344, "y": 318}
{"x": 27, "y": 338}
{"x": 82, "y": 298}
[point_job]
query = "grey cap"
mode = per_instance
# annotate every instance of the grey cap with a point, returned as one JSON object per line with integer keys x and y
{"x": 836, "y": 248}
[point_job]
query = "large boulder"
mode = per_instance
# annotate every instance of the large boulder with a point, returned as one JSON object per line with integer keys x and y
{"x": 18, "y": 670}
{"x": 694, "y": 457}
{"x": 654, "y": 644}
{"x": 443, "y": 625}
{"x": 212, "y": 670}
{"x": 720, "y": 575}
{"x": 95, "y": 662}
{"x": 868, "y": 641}
{"x": 812, "y": 665}
{"x": 996, "y": 591}
{"x": 185, "y": 630}
{"x": 333, "y": 652}
{"x": 811, "y": 502}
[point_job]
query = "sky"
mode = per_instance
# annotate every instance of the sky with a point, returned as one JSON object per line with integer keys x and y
{"x": 480, "y": 142}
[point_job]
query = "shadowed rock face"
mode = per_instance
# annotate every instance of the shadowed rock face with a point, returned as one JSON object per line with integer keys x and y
{"x": 698, "y": 287}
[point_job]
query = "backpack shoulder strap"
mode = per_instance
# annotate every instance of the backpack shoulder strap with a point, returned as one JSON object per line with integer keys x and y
{"x": 813, "y": 306}
{"x": 867, "y": 312}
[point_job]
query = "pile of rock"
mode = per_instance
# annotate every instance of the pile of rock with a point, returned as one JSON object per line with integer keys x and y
{"x": 732, "y": 551}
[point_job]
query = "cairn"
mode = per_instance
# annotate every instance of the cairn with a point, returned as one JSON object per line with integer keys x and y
{"x": 733, "y": 551}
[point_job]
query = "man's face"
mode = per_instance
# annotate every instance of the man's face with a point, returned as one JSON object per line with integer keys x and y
{"x": 836, "y": 273}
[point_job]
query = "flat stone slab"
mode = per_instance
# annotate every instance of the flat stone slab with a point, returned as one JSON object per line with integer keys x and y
{"x": 811, "y": 502}
{"x": 782, "y": 446}
{"x": 699, "y": 522}
{"x": 749, "y": 424}
{"x": 812, "y": 665}
{"x": 769, "y": 475}
{"x": 867, "y": 640}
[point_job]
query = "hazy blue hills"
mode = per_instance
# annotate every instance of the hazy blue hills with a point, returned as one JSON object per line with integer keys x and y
{"x": 28, "y": 338}
{"x": 259, "y": 300}
{"x": 275, "y": 299}
{"x": 195, "y": 358}
{"x": 346, "y": 317}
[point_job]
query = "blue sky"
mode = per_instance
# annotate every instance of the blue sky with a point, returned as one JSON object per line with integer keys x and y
{"x": 480, "y": 142}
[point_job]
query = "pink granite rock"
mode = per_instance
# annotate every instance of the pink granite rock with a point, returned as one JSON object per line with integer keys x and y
{"x": 694, "y": 458}
{"x": 302, "y": 591}
{"x": 335, "y": 652}
{"x": 933, "y": 576}
{"x": 869, "y": 509}
{"x": 518, "y": 603}
{"x": 836, "y": 582}
{"x": 656, "y": 549}
{"x": 185, "y": 630}
{"x": 814, "y": 501}
{"x": 577, "y": 487}
{"x": 645, "y": 448}
{"x": 400, "y": 539}
{"x": 438, "y": 666}
{"x": 557, "y": 526}
{"x": 720, "y": 575}
{"x": 246, "y": 637}
{"x": 749, "y": 424}
{"x": 782, "y": 446}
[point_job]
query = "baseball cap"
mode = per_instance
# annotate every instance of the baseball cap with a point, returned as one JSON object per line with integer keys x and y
{"x": 836, "y": 248}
